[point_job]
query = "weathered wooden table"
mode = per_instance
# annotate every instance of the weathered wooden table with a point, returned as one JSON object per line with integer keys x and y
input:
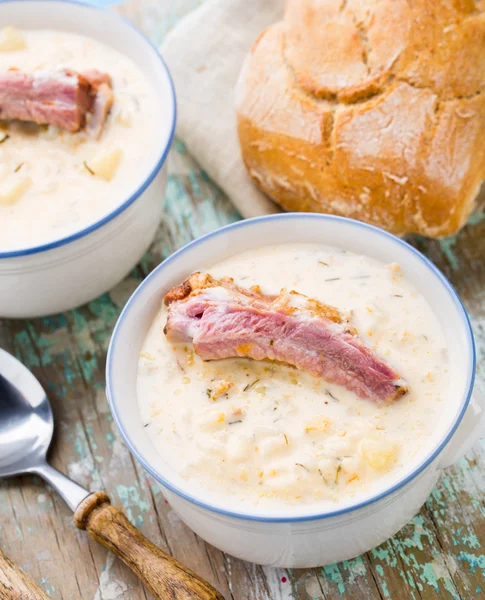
{"x": 440, "y": 554}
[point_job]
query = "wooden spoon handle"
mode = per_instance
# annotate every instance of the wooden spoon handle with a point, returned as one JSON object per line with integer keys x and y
{"x": 165, "y": 576}
{"x": 15, "y": 584}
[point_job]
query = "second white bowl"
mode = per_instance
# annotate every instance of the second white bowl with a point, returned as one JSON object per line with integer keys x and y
{"x": 68, "y": 272}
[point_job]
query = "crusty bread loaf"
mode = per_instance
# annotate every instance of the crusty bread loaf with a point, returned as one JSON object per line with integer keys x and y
{"x": 371, "y": 109}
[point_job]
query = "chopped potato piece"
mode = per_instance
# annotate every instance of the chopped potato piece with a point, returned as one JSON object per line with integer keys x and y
{"x": 318, "y": 425}
{"x": 237, "y": 448}
{"x": 394, "y": 267}
{"x": 273, "y": 444}
{"x": 378, "y": 454}
{"x": 351, "y": 465}
{"x": 105, "y": 164}
{"x": 329, "y": 467}
{"x": 211, "y": 420}
{"x": 220, "y": 387}
{"x": 208, "y": 444}
{"x": 11, "y": 39}
{"x": 13, "y": 187}
{"x": 124, "y": 118}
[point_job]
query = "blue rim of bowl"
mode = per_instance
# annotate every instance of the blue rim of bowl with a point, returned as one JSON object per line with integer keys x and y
{"x": 136, "y": 194}
{"x": 310, "y": 517}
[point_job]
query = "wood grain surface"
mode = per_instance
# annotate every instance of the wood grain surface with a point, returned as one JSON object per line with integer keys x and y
{"x": 15, "y": 584}
{"x": 159, "y": 572}
{"x": 440, "y": 554}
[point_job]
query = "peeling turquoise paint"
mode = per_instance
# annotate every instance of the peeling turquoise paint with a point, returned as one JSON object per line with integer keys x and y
{"x": 355, "y": 567}
{"x": 473, "y": 561}
{"x": 80, "y": 442}
{"x": 194, "y": 182}
{"x": 333, "y": 574}
{"x": 429, "y": 575}
{"x": 383, "y": 554}
{"x": 476, "y": 218}
{"x": 448, "y": 485}
{"x": 50, "y": 590}
{"x": 130, "y": 497}
{"x": 447, "y": 246}
{"x": 437, "y": 496}
{"x": 383, "y": 585}
{"x": 104, "y": 309}
{"x": 155, "y": 487}
{"x": 179, "y": 146}
{"x": 420, "y": 531}
{"x": 471, "y": 540}
{"x": 24, "y": 349}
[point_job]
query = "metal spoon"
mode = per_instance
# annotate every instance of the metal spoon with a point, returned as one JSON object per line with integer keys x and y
{"x": 26, "y": 428}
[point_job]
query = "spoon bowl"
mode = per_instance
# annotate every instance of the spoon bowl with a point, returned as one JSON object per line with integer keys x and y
{"x": 26, "y": 420}
{"x": 26, "y": 430}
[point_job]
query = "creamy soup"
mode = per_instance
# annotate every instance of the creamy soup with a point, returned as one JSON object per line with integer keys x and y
{"x": 262, "y": 433}
{"x": 52, "y": 182}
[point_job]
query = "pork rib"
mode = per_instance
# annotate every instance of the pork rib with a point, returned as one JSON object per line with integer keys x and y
{"x": 64, "y": 98}
{"x": 224, "y": 320}
{"x": 102, "y": 103}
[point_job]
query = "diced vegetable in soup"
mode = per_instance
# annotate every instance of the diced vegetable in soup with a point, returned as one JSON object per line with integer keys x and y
{"x": 265, "y": 432}
{"x": 11, "y": 40}
{"x": 80, "y": 131}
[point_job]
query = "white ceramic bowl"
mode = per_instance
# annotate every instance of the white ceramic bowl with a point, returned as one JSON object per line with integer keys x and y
{"x": 70, "y": 271}
{"x": 300, "y": 537}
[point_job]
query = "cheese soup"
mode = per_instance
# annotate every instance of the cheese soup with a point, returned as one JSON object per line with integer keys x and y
{"x": 53, "y": 182}
{"x": 265, "y": 433}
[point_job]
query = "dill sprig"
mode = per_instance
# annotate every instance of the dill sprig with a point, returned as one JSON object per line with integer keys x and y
{"x": 250, "y": 385}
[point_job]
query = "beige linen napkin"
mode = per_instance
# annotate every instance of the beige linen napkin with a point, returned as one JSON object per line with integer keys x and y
{"x": 204, "y": 53}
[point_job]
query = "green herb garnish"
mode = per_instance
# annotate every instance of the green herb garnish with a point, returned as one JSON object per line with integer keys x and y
{"x": 339, "y": 468}
{"x": 87, "y": 168}
{"x": 332, "y": 396}
{"x": 5, "y": 138}
{"x": 250, "y": 385}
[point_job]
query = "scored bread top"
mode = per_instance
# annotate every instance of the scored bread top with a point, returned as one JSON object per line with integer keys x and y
{"x": 372, "y": 109}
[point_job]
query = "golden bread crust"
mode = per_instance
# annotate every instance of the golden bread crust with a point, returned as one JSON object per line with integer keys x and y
{"x": 371, "y": 109}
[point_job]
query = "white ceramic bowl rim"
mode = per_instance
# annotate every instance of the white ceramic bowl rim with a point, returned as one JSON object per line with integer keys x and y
{"x": 124, "y": 205}
{"x": 308, "y": 517}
